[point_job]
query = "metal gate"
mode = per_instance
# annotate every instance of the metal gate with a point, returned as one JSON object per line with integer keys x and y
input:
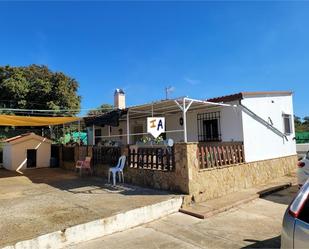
{"x": 106, "y": 154}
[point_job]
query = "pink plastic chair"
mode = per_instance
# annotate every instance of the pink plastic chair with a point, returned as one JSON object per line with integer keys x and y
{"x": 80, "y": 165}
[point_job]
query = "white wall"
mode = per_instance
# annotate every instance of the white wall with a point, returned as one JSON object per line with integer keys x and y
{"x": 115, "y": 132}
{"x": 15, "y": 155}
{"x": 172, "y": 123}
{"x": 230, "y": 123}
{"x": 261, "y": 142}
{"x": 7, "y": 156}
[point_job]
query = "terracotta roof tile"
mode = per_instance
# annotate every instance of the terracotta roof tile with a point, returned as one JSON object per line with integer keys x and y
{"x": 241, "y": 95}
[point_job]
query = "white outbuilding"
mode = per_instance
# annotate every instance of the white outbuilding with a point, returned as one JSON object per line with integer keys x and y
{"x": 26, "y": 151}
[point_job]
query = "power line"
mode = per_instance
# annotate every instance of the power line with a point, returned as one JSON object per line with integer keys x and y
{"x": 55, "y": 111}
{"x": 32, "y": 114}
{"x": 48, "y": 113}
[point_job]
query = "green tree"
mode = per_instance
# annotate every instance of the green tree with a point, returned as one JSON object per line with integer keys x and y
{"x": 37, "y": 87}
{"x": 297, "y": 123}
{"x": 104, "y": 108}
{"x": 301, "y": 124}
{"x": 306, "y": 123}
{"x": 297, "y": 120}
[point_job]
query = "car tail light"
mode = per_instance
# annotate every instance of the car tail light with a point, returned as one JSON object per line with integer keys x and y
{"x": 301, "y": 164}
{"x": 298, "y": 203}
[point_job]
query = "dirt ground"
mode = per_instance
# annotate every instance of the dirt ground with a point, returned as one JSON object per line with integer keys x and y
{"x": 46, "y": 200}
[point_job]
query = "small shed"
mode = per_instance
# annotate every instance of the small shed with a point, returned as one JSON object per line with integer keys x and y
{"x": 26, "y": 151}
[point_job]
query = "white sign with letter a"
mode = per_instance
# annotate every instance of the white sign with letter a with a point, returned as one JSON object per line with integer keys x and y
{"x": 155, "y": 126}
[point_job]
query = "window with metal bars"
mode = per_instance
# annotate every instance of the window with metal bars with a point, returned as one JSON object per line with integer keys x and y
{"x": 208, "y": 125}
{"x": 287, "y": 124}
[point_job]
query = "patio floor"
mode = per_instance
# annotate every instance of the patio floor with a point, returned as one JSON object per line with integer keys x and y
{"x": 45, "y": 200}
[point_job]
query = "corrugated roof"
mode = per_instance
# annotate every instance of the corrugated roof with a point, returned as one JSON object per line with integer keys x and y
{"x": 109, "y": 118}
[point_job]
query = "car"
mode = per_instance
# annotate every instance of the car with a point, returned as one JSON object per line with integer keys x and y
{"x": 295, "y": 226}
{"x": 303, "y": 170}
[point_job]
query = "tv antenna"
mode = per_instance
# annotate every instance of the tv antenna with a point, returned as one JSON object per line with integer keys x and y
{"x": 169, "y": 90}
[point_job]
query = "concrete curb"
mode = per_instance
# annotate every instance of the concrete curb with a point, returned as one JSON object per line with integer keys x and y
{"x": 192, "y": 213}
{"x": 101, "y": 227}
{"x": 257, "y": 195}
{"x": 219, "y": 210}
{"x": 269, "y": 191}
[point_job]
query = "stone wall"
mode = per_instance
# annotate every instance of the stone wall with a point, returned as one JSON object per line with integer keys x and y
{"x": 201, "y": 185}
{"x": 212, "y": 183}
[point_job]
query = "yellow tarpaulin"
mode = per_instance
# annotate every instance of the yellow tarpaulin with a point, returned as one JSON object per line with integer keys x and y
{"x": 10, "y": 120}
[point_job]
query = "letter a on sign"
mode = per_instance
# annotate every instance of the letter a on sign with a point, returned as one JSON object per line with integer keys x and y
{"x": 155, "y": 126}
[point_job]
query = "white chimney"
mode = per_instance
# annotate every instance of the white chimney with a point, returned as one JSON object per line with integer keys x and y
{"x": 119, "y": 99}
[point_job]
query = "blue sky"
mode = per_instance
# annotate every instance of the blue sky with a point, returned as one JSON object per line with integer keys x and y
{"x": 202, "y": 49}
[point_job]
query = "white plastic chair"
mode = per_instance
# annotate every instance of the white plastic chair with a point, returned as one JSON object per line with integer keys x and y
{"x": 118, "y": 168}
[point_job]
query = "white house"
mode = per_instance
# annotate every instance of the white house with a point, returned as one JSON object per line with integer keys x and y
{"x": 262, "y": 121}
{"x": 26, "y": 151}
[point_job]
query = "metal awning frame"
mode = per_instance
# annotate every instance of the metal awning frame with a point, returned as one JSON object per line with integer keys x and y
{"x": 167, "y": 107}
{"x": 173, "y": 106}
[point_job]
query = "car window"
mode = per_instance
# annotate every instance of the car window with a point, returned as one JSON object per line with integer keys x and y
{"x": 304, "y": 214}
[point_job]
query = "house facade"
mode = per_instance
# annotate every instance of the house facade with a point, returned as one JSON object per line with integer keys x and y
{"x": 262, "y": 121}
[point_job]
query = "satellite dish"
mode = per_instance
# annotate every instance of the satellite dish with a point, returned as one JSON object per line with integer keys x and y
{"x": 170, "y": 142}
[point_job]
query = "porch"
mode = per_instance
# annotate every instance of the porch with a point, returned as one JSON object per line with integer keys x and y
{"x": 205, "y": 171}
{"x": 210, "y": 155}
{"x": 186, "y": 119}
{"x": 200, "y": 170}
